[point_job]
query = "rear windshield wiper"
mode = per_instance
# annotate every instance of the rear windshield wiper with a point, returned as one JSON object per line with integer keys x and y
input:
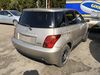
{"x": 28, "y": 26}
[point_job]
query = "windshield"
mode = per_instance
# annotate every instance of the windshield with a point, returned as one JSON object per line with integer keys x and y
{"x": 15, "y": 12}
{"x": 37, "y": 19}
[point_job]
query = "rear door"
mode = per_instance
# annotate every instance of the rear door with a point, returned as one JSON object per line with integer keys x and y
{"x": 2, "y": 17}
{"x": 5, "y": 17}
{"x": 8, "y": 18}
{"x": 82, "y": 24}
{"x": 73, "y": 27}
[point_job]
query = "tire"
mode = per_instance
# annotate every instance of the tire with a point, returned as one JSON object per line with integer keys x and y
{"x": 15, "y": 22}
{"x": 64, "y": 57}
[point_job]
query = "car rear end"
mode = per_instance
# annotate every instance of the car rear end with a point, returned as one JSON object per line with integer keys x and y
{"x": 37, "y": 37}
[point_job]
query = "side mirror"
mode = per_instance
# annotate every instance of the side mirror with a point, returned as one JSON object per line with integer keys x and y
{"x": 9, "y": 15}
{"x": 87, "y": 20}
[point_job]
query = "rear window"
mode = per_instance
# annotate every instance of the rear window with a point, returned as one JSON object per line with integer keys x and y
{"x": 37, "y": 19}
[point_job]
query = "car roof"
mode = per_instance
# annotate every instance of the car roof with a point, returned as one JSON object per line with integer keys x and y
{"x": 48, "y": 10}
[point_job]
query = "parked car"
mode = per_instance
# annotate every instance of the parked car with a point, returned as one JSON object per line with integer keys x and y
{"x": 49, "y": 34}
{"x": 9, "y": 16}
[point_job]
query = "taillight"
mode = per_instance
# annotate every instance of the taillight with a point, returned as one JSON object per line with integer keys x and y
{"x": 50, "y": 41}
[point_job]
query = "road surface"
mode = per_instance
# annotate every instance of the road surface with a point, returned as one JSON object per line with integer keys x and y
{"x": 83, "y": 60}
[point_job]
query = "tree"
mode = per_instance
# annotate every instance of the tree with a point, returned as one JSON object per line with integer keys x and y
{"x": 22, "y": 4}
{"x": 58, "y": 3}
{"x": 14, "y": 5}
{"x": 42, "y": 3}
{"x": 4, "y": 4}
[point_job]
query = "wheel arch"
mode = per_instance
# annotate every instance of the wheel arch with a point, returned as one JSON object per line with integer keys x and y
{"x": 69, "y": 44}
{"x": 14, "y": 20}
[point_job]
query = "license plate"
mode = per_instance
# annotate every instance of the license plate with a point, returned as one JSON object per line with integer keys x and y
{"x": 28, "y": 39}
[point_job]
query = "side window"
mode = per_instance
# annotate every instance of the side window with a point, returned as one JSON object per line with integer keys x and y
{"x": 6, "y": 13}
{"x": 59, "y": 19}
{"x": 70, "y": 17}
{"x": 1, "y": 13}
{"x": 79, "y": 18}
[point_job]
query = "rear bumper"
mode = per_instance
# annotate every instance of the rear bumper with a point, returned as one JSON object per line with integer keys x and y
{"x": 48, "y": 55}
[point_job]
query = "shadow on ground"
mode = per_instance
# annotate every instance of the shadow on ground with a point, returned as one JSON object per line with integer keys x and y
{"x": 31, "y": 72}
{"x": 6, "y": 24}
{"x": 94, "y": 35}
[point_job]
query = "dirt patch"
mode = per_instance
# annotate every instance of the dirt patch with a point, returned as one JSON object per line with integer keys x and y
{"x": 71, "y": 67}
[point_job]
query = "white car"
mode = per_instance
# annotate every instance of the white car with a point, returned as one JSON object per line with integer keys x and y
{"x": 9, "y": 16}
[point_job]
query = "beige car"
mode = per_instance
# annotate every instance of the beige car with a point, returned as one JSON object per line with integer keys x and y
{"x": 49, "y": 34}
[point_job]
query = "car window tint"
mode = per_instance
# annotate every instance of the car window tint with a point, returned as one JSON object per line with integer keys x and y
{"x": 70, "y": 17}
{"x": 15, "y": 12}
{"x": 6, "y": 13}
{"x": 1, "y": 13}
{"x": 79, "y": 18}
{"x": 59, "y": 19}
{"x": 37, "y": 19}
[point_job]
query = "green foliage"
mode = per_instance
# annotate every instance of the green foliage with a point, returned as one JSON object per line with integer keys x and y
{"x": 58, "y": 3}
{"x": 4, "y": 4}
{"x": 21, "y": 4}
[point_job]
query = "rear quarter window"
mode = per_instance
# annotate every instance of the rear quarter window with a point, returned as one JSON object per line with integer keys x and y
{"x": 59, "y": 19}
